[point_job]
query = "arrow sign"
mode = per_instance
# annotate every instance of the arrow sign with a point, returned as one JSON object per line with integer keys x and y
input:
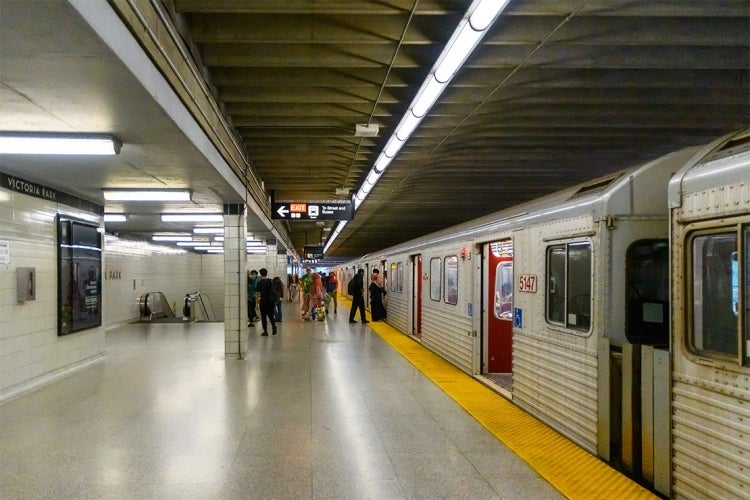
{"x": 313, "y": 210}
{"x": 282, "y": 211}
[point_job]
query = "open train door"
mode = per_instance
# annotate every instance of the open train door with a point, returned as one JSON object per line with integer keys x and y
{"x": 499, "y": 311}
{"x": 416, "y": 299}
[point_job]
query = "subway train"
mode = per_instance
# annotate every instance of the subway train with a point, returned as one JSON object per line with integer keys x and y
{"x": 616, "y": 311}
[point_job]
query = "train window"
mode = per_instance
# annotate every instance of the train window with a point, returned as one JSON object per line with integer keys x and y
{"x": 715, "y": 289}
{"x": 451, "y": 280}
{"x": 394, "y": 277}
{"x": 647, "y": 292}
{"x": 400, "y": 277}
{"x": 435, "y": 276}
{"x": 504, "y": 290}
{"x": 569, "y": 285}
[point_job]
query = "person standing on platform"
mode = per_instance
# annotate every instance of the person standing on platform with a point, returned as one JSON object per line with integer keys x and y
{"x": 279, "y": 286}
{"x": 317, "y": 294}
{"x": 252, "y": 281}
{"x": 377, "y": 292}
{"x": 265, "y": 293}
{"x": 332, "y": 288}
{"x": 305, "y": 281}
{"x": 356, "y": 289}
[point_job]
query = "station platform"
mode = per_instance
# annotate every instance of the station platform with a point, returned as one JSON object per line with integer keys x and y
{"x": 323, "y": 410}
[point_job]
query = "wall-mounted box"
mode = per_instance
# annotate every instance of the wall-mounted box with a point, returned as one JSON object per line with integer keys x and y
{"x": 25, "y": 284}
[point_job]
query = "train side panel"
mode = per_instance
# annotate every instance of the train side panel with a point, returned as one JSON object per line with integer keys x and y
{"x": 447, "y": 326}
{"x": 555, "y": 365}
{"x": 711, "y": 326}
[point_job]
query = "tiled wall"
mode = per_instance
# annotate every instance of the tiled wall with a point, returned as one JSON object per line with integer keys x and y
{"x": 31, "y": 353}
{"x": 132, "y": 269}
{"x": 30, "y": 350}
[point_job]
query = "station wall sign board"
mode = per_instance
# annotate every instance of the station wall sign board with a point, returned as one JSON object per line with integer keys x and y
{"x": 313, "y": 210}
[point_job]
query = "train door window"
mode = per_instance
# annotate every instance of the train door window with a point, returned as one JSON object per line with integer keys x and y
{"x": 504, "y": 290}
{"x": 394, "y": 277}
{"x": 435, "y": 276}
{"x": 451, "y": 280}
{"x": 647, "y": 292}
{"x": 569, "y": 285}
{"x": 400, "y": 277}
{"x": 715, "y": 290}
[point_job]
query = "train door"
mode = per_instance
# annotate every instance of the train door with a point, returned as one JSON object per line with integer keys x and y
{"x": 499, "y": 302}
{"x": 416, "y": 280}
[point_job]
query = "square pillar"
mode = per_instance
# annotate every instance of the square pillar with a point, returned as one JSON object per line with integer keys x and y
{"x": 235, "y": 285}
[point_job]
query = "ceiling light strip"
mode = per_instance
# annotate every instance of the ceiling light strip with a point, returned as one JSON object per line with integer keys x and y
{"x": 44, "y": 143}
{"x": 480, "y": 16}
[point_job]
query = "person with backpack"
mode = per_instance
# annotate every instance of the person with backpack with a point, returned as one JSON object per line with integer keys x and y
{"x": 279, "y": 285}
{"x": 252, "y": 282}
{"x": 356, "y": 288}
{"x": 266, "y": 295}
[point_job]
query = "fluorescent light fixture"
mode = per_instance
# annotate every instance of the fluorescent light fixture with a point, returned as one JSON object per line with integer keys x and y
{"x": 192, "y": 217}
{"x": 146, "y": 194}
{"x": 408, "y": 123}
{"x": 427, "y": 95}
{"x": 208, "y": 230}
{"x": 215, "y": 250}
{"x": 485, "y": 13}
{"x": 170, "y": 237}
{"x": 115, "y": 217}
{"x": 460, "y": 48}
{"x": 393, "y": 146}
{"x": 382, "y": 163}
{"x": 478, "y": 18}
{"x": 43, "y": 143}
{"x": 373, "y": 177}
{"x": 194, "y": 243}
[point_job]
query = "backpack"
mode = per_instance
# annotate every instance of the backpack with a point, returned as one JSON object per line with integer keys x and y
{"x": 351, "y": 287}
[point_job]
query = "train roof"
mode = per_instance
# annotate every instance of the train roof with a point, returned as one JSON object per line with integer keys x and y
{"x": 724, "y": 162}
{"x": 639, "y": 190}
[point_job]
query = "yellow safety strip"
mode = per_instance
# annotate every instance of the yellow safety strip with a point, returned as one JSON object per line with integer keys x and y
{"x": 570, "y": 469}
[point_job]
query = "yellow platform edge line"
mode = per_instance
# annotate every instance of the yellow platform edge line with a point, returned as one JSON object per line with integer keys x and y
{"x": 574, "y": 472}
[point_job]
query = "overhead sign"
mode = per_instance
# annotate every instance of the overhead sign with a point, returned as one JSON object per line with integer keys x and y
{"x": 312, "y": 210}
{"x": 315, "y": 252}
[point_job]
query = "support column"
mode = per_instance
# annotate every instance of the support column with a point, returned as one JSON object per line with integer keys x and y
{"x": 235, "y": 285}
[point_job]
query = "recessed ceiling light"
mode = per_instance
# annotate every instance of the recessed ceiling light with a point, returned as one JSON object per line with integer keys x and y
{"x": 146, "y": 194}
{"x": 45, "y": 143}
{"x": 115, "y": 217}
{"x": 192, "y": 217}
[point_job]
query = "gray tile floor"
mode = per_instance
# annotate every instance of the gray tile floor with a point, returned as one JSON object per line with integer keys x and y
{"x": 320, "y": 411}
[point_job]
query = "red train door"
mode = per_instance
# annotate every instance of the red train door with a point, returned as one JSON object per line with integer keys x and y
{"x": 417, "y": 298}
{"x": 500, "y": 307}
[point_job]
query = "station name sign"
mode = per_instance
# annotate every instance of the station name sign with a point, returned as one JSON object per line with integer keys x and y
{"x": 312, "y": 210}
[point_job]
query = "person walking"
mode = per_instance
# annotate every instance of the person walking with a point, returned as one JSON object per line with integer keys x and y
{"x": 265, "y": 293}
{"x": 377, "y": 292}
{"x": 305, "y": 282}
{"x": 252, "y": 281}
{"x": 332, "y": 288}
{"x": 357, "y": 287}
{"x": 279, "y": 286}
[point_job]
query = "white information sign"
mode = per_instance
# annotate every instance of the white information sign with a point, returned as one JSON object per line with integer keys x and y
{"x": 4, "y": 252}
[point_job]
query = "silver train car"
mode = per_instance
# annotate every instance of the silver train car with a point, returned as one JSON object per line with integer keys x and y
{"x": 616, "y": 311}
